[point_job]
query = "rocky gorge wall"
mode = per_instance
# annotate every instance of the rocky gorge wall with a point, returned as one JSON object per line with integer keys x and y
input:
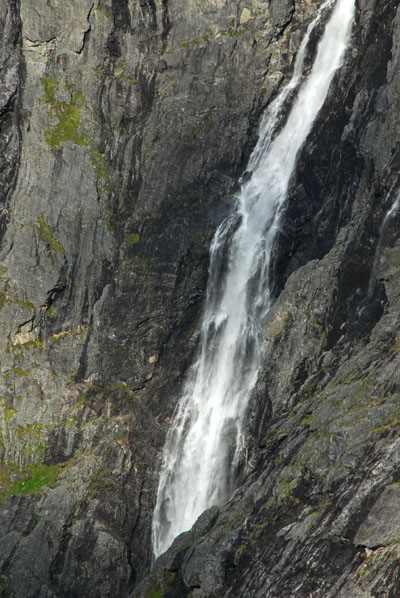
{"x": 124, "y": 129}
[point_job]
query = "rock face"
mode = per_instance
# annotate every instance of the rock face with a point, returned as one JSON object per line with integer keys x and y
{"x": 124, "y": 129}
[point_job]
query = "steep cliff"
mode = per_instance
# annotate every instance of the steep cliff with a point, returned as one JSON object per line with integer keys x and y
{"x": 124, "y": 129}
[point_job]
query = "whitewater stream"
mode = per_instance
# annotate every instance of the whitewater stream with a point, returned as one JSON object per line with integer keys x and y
{"x": 205, "y": 446}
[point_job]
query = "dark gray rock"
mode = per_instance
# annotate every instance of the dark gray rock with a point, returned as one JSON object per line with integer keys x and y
{"x": 323, "y": 470}
{"x": 281, "y": 11}
{"x": 124, "y": 130}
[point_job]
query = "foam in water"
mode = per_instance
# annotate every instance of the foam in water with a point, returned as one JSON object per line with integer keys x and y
{"x": 205, "y": 448}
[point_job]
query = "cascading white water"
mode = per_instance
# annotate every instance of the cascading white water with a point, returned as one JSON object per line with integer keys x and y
{"x": 205, "y": 448}
{"x": 392, "y": 212}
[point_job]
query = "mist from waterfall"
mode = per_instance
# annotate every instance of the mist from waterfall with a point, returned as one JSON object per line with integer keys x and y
{"x": 205, "y": 446}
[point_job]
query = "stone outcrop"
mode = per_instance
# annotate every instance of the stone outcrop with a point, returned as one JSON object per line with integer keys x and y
{"x": 124, "y": 129}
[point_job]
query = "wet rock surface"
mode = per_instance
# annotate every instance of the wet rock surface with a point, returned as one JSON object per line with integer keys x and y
{"x": 124, "y": 129}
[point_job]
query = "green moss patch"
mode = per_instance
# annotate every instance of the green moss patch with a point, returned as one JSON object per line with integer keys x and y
{"x": 4, "y": 294}
{"x": 65, "y": 125}
{"x": 31, "y": 479}
{"x": 7, "y": 591}
{"x": 46, "y": 237}
{"x": 101, "y": 170}
{"x": 19, "y": 372}
{"x": 9, "y": 413}
{"x": 66, "y": 116}
{"x": 132, "y": 238}
{"x": 155, "y": 591}
{"x": 103, "y": 10}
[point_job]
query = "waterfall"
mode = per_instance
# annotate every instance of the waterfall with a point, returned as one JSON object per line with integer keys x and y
{"x": 205, "y": 448}
{"x": 392, "y": 212}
